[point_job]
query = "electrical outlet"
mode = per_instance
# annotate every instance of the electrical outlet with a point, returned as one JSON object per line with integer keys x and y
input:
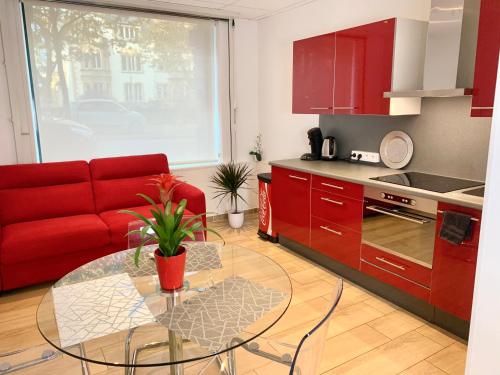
{"x": 368, "y": 157}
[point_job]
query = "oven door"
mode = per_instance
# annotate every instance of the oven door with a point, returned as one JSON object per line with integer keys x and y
{"x": 402, "y": 231}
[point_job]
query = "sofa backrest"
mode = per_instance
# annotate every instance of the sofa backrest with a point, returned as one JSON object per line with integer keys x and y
{"x": 116, "y": 181}
{"x": 40, "y": 191}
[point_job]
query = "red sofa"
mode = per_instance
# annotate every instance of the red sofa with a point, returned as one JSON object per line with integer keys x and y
{"x": 55, "y": 217}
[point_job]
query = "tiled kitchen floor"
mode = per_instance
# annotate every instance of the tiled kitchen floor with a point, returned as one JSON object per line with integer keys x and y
{"x": 367, "y": 335}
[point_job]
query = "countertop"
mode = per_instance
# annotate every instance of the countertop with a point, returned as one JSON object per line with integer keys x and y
{"x": 361, "y": 174}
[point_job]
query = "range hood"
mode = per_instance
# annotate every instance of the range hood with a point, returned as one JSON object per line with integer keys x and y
{"x": 450, "y": 51}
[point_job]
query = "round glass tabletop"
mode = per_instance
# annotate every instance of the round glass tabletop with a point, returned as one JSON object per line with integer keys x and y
{"x": 113, "y": 313}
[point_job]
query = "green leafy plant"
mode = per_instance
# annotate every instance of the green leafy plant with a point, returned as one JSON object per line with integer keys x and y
{"x": 166, "y": 227}
{"x": 257, "y": 150}
{"x": 228, "y": 179}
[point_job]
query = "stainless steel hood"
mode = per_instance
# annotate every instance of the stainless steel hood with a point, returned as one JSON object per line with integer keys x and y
{"x": 450, "y": 50}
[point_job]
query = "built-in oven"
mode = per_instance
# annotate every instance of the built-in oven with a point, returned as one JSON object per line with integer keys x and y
{"x": 400, "y": 224}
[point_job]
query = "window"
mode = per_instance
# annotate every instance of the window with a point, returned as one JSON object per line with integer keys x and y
{"x": 92, "y": 60}
{"x": 128, "y": 32}
{"x": 133, "y": 92}
{"x": 88, "y": 106}
{"x": 131, "y": 63}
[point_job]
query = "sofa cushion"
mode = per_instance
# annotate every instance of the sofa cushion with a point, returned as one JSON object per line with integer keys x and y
{"x": 117, "y": 181}
{"x": 118, "y": 223}
{"x": 39, "y": 191}
{"x": 51, "y": 237}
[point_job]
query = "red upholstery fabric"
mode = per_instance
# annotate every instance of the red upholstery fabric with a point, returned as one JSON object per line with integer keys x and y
{"x": 46, "y": 269}
{"x": 118, "y": 223}
{"x": 45, "y": 174}
{"x": 116, "y": 181}
{"x": 48, "y": 213}
{"x": 195, "y": 199}
{"x": 47, "y": 238}
{"x": 39, "y": 191}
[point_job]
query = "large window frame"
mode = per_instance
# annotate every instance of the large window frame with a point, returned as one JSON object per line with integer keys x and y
{"x": 26, "y": 140}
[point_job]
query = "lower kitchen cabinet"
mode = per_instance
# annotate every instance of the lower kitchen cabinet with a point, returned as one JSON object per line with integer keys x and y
{"x": 292, "y": 204}
{"x": 454, "y": 267}
{"x": 335, "y": 241}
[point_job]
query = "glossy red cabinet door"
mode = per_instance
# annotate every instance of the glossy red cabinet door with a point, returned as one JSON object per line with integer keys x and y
{"x": 454, "y": 268}
{"x": 363, "y": 68}
{"x": 335, "y": 241}
{"x": 313, "y": 74}
{"x": 291, "y": 204}
{"x": 488, "y": 44}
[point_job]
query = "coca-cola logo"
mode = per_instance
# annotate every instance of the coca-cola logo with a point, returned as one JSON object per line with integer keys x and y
{"x": 263, "y": 212}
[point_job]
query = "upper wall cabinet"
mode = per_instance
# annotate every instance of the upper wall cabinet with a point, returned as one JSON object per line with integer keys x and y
{"x": 347, "y": 72}
{"x": 313, "y": 66}
{"x": 488, "y": 44}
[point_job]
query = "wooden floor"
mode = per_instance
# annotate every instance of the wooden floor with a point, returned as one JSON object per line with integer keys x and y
{"x": 367, "y": 335}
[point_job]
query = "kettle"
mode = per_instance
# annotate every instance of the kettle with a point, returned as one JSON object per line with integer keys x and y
{"x": 329, "y": 150}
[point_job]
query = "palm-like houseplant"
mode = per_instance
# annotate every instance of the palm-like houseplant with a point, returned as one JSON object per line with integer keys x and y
{"x": 168, "y": 229}
{"x": 228, "y": 180}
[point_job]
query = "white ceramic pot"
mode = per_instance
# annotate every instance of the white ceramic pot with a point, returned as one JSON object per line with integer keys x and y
{"x": 236, "y": 219}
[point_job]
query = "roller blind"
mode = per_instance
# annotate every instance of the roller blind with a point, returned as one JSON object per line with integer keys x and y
{"x": 111, "y": 82}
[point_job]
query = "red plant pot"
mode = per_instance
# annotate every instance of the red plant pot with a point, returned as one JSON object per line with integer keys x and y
{"x": 171, "y": 269}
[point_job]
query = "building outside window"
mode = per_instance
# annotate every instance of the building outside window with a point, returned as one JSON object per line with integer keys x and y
{"x": 133, "y": 92}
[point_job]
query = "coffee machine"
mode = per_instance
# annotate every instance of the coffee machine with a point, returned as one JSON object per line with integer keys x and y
{"x": 316, "y": 142}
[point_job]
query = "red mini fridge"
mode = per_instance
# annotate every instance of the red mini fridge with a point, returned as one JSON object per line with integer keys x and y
{"x": 265, "y": 208}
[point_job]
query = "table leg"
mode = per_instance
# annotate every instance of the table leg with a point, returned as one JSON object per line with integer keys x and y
{"x": 84, "y": 364}
{"x": 174, "y": 340}
{"x": 231, "y": 361}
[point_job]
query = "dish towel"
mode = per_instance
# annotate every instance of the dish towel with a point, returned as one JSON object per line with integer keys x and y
{"x": 456, "y": 227}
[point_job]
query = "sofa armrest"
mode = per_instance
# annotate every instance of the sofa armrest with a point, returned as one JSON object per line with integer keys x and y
{"x": 195, "y": 199}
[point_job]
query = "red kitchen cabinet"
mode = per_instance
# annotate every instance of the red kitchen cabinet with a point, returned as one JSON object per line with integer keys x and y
{"x": 335, "y": 241}
{"x": 363, "y": 68}
{"x": 313, "y": 74}
{"x": 488, "y": 44}
{"x": 291, "y": 204}
{"x": 337, "y": 209}
{"x": 454, "y": 267}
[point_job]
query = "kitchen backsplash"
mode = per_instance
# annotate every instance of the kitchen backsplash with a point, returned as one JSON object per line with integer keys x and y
{"x": 446, "y": 139}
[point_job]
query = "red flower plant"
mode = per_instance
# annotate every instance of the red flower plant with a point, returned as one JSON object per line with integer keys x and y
{"x": 166, "y": 183}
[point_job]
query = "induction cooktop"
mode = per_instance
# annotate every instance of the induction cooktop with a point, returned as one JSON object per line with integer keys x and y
{"x": 424, "y": 181}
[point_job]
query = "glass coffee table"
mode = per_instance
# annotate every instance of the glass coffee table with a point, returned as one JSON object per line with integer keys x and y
{"x": 112, "y": 313}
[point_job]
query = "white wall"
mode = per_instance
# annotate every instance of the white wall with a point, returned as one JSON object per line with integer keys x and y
{"x": 284, "y": 133}
{"x": 484, "y": 338}
{"x": 7, "y": 143}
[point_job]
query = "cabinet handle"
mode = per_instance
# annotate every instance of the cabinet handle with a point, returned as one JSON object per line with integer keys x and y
{"x": 297, "y": 177}
{"x": 345, "y": 107}
{"x": 472, "y": 218}
{"x": 332, "y": 201}
{"x": 333, "y": 186}
{"x": 320, "y": 107}
{"x": 331, "y": 230}
{"x": 383, "y": 260}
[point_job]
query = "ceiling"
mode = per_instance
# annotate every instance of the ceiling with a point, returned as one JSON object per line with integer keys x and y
{"x": 248, "y": 9}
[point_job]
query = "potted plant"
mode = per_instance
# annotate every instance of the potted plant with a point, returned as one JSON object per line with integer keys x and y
{"x": 168, "y": 228}
{"x": 228, "y": 179}
{"x": 257, "y": 149}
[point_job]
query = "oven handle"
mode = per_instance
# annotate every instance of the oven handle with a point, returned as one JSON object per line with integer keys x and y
{"x": 388, "y": 212}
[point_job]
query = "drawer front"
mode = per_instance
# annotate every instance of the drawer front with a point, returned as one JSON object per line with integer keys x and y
{"x": 407, "y": 286}
{"x": 291, "y": 212}
{"x": 336, "y": 242}
{"x": 337, "y": 209}
{"x": 339, "y": 187}
{"x": 405, "y": 268}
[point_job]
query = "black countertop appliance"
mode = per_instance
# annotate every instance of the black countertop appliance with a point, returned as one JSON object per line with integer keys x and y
{"x": 316, "y": 143}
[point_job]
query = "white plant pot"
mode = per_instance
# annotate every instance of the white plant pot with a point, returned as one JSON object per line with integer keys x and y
{"x": 236, "y": 219}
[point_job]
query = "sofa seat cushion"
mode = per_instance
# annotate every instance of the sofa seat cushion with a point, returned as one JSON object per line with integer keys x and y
{"x": 38, "y": 239}
{"x": 118, "y": 223}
